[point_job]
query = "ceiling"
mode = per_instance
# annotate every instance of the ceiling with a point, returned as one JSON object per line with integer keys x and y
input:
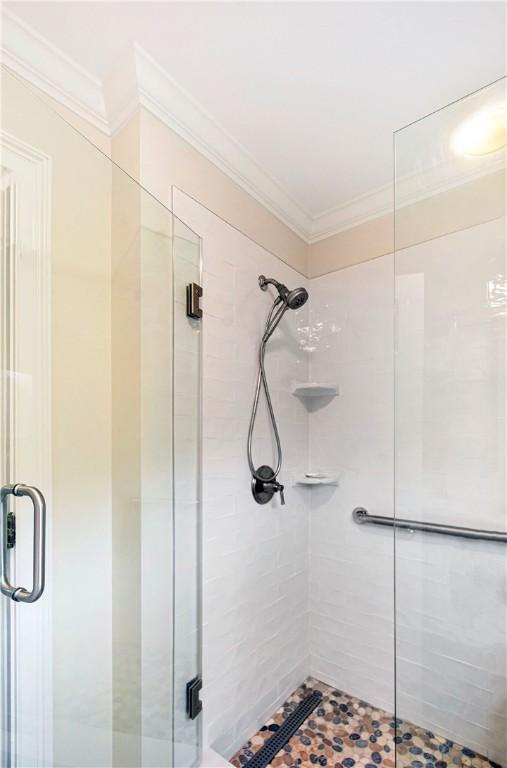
{"x": 311, "y": 90}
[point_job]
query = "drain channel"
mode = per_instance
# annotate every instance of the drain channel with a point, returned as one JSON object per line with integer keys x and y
{"x": 279, "y": 739}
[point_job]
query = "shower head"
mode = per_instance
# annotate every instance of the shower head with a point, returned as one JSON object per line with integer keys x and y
{"x": 292, "y": 299}
{"x": 296, "y": 298}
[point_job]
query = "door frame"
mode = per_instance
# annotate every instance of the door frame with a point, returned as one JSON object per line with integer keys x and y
{"x": 26, "y": 277}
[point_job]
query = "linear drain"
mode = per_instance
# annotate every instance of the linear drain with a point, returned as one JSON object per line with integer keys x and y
{"x": 279, "y": 739}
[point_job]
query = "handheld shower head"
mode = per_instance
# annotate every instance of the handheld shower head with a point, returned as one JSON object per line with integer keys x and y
{"x": 264, "y": 482}
{"x": 296, "y": 298}
{"x": 292, "y": 299}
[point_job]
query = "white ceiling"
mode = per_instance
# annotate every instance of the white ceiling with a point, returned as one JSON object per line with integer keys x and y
{"x": 312, "y": 90}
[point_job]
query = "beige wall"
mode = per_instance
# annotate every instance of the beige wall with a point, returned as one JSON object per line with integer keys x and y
{"x": 93, "y": 134}
{"x": 125, "y": 146}
{"x": 462, "y": 207}
{"x": 352, "y": 246}
{"x": 126, "y": 454}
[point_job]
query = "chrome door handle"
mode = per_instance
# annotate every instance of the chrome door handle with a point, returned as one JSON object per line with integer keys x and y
{"x": 20, "y": 594}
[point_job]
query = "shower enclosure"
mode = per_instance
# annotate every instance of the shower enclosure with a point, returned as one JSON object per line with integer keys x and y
{"x": 450, "y": 433}
{"x": 99, "y": 423}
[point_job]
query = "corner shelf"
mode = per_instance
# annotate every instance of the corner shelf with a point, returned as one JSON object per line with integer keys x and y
{"x": 320, "y": 480}
{"x": 314, "y": 389}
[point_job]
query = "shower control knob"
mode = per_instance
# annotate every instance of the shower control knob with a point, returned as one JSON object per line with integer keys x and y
{"x": 265, "y": 485}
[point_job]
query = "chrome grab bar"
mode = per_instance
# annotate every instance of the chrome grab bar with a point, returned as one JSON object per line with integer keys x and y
{"x": 363, "y": 517}
{"x": 20, "y": 594}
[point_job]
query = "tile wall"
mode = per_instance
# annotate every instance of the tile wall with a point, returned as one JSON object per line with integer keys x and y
{"x": 302, "y": 589}
{"x": 255, "y": 557}
{"x": 449, "y": 451}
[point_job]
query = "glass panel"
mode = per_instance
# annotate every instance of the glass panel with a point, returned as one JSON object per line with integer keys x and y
{"x": 187, "y": 487}
{"x": 450, "y": 400}
{"x": 87, "y": 417}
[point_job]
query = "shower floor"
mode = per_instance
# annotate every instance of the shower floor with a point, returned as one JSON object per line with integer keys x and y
{"x": 344, "y": 732}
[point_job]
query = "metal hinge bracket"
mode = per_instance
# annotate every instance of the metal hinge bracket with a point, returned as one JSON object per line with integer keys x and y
{"x": 194, "y": 704}
{"x": 194, "y": 293}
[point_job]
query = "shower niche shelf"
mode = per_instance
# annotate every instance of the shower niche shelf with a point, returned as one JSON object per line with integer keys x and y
{"x": 314, "y": 389}
{"x": 316, "y": 479}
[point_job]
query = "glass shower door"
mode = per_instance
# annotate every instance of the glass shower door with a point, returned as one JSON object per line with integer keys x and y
{"x": 90, "y": 390}
{"x": 187, "y": 499}
{"x": 450, "y": 451}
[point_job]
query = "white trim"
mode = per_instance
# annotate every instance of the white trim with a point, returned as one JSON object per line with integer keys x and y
{"x": 409, "y": 190}
{"x": 160, "y": 94}
{"x": 139, "y": 81}
{"x": 352, "y": 213}
{"x": 44, "y": 65}
{"x": 143, "y": 83}
{"x": 31, "y": 173}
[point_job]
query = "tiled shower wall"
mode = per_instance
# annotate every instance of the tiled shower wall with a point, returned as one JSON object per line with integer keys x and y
{"x": 274, "y": 612}
{"x": 351, "y": 436}
{"x": 450, "y": 467}
{"x": 255, "y": 560}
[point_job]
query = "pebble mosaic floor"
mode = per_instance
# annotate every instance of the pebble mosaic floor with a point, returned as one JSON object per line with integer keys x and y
{"x": 344, "y": 732}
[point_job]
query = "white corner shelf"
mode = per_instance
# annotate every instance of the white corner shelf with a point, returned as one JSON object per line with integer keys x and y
{"x": 314, "y": 389}
{"x": 316, "y": 479}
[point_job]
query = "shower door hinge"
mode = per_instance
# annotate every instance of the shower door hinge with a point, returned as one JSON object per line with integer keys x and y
{"x": 194, "y": 704}
{"x": 10, "y": 537}
{"x": 194, "y": 293}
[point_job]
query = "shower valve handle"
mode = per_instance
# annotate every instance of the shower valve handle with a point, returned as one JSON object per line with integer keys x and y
{"x": 278, "y": 487}
{"x": 275, "y": 487}
{"x": 263, "y": 490}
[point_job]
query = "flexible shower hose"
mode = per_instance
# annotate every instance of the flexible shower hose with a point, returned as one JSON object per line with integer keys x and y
{"x": 271, "y": 324}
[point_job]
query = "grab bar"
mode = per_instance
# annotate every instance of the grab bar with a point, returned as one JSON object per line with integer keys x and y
{"x": 363, "y": 517}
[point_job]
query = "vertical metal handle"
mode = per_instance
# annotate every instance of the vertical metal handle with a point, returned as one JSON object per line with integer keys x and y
{"x": 20, "y": 594}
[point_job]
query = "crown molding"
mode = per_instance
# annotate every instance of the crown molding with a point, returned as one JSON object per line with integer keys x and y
{"x": 35, "y": 59}
{"x": 454, "y": 173}
{"x": 357, "y": 211}
{"x": 409, "y": 190}
{"x": 137, "y": 80}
